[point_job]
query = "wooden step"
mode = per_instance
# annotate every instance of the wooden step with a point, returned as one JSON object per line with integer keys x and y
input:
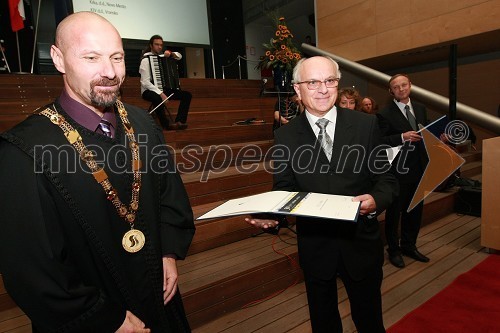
{"x": 201, "y": 119}
{"x": 204, "y": 104}
{"x": 219, "y": 135}
{"x": 15, "y": 112}
{"x": 15, "y": 103}
{"x": 216, "y": 185}
{"x": 471, "y": 156}
{"x": 214, "y": 233}
{"x": 471, "y": 169}
{"x": 29, "y": 92}
{"x": 226, "y": 278}
{"x": 213, "y": 88}
{"x": 195, "y": 158}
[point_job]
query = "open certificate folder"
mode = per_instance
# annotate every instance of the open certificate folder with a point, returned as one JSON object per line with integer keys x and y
{"x": 320, "y": 205}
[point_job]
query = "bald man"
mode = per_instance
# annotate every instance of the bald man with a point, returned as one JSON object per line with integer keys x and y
{"x": 347, "y": 166}
{"x": 91, "y": 234}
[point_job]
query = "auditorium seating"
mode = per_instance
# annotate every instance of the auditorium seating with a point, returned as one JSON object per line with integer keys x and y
{"x": 230, "y": 264}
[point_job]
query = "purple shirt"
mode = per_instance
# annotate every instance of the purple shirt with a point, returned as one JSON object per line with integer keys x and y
{"x": 85, "y": 116}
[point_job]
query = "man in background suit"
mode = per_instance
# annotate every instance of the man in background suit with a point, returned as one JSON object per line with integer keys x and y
{"x": 353, "y": 251}
{"x": 397, "y": 129}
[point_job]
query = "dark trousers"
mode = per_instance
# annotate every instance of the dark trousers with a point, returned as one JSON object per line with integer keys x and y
{"x": 410, "y": 221}
{"x": 182, "y": 112}
{"x": 364, "y": 296}
{"x": 185, "y": 98}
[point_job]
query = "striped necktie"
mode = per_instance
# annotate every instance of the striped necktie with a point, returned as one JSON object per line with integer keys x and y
{"x": 324, "y": 138}
{"x": 105, "y": 127}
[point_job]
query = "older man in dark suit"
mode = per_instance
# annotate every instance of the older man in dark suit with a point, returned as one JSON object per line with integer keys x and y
{"x": 334, "y": 150}
{"x": 398, "y": 123}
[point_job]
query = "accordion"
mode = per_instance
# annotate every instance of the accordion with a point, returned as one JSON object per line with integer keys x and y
{"x": 164, "y": 72}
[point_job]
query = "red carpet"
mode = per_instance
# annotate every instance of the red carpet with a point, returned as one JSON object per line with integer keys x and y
{"x": 469, "y": 304}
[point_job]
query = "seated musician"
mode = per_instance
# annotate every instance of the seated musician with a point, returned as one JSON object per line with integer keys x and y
{"x": 159, "y": 79}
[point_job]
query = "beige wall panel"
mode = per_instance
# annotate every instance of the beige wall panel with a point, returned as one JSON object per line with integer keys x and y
{"x": 479, "y": 85}
{"x": 390, "y": 15}
{"x": 425, "y": 9}
{"x": 428, "y": 32}
{"x": 329, "y": 7}
{"x": 393, "y": 41}
{"x": 455, "y": 25}
{"x": 435, "y": 80}
{"x": 402, "y": 26}
{"x": 343, "y": 27}
{"x": 358, "y": 49}
{"x": 490, "y": 224}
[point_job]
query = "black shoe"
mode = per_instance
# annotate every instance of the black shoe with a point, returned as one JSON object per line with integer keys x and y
{"x": 414, "y": 254}
{"x": 177, "y": 126}
{"x": 172, "y": 127}
{"x": 182, "y": 126}
{"x": 397, "y": 260}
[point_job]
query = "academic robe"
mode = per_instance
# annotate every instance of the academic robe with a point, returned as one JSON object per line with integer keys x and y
{"x": 61, "y": 256}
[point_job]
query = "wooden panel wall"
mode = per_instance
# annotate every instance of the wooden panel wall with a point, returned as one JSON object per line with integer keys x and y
{"x": 363, "y": 29}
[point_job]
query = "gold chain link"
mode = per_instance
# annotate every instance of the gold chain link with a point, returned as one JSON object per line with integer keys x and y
{"x": 74, "y": 138}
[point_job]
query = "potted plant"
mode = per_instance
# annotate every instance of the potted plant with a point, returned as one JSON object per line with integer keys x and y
{"x": 281, "y": 56}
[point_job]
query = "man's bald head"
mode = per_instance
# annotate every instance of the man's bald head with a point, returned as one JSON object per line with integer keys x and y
{"x": 72, "y": 25}
{"x": 89, "y": 54}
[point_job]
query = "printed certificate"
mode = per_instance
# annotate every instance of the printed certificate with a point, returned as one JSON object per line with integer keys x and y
{"x": 328, "y": 206}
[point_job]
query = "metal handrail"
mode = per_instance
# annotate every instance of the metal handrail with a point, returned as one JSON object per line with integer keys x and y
{"x": 238, "y": 58}
{"x": 465, "y": 112}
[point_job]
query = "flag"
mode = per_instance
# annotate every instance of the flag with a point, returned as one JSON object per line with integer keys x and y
{"x": 17, "y": 16}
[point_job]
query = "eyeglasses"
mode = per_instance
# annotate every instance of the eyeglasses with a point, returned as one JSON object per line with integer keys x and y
{"x": 315, "y": 84}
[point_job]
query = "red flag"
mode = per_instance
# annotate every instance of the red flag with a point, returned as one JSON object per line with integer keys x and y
{"x": 16, "y": 8}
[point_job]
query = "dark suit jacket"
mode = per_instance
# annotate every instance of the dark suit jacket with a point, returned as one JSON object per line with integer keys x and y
{"x": 392, "y": 124}
{"x": 304, "y": 167}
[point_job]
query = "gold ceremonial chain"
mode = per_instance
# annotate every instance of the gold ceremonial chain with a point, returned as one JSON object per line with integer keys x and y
{"x": 134, "y": 239}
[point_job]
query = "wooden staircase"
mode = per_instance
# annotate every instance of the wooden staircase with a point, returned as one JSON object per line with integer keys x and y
{"x": 230, "y": 265}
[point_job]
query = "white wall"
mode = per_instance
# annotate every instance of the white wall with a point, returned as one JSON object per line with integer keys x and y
{"x": 255, "y": 36}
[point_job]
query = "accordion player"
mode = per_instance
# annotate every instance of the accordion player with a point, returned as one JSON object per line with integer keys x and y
{"x": 164, "y": 71}
{"x": 159, "y": 79}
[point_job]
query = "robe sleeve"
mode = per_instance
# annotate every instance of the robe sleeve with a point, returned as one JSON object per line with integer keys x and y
{"x": 176, "y": 215}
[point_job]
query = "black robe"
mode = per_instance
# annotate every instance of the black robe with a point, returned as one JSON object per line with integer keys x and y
{"x": 61, "y": 256}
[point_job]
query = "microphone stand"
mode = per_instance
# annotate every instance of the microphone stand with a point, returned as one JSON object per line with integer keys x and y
{"x": 280, "y": 94}
{"x": 36, "y": 34}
